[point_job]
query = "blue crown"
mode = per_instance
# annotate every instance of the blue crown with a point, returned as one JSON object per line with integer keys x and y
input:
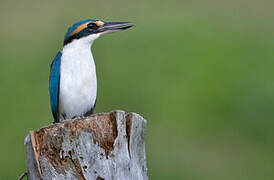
{"x": 75, "y": 25}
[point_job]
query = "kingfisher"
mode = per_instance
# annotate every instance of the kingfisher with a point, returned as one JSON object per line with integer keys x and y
{"x": 72, "y": 80}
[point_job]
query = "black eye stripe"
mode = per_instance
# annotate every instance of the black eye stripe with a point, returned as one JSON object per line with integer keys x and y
{"x": 92, "y": 26}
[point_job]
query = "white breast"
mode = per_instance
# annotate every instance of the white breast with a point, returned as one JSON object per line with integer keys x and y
{"x": 78, "y": 82}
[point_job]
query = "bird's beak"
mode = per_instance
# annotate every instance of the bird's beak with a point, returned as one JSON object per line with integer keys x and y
{"x": 109, "y": 27}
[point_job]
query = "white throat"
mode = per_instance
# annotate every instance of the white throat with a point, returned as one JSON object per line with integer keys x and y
{"x": 78, "y": 81}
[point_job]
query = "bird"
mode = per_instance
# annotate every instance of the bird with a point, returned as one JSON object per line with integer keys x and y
{"x": 72, "y": 79}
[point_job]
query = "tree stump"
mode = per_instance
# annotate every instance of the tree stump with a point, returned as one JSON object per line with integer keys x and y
{"x": 103, "y": 146}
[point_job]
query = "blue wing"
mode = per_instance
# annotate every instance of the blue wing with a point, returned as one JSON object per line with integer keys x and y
{"x": 54, "y": 82}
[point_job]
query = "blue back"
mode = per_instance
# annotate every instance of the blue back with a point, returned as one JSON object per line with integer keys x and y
{"x": 54, "y": 82}
{"x": 75, "y": 25}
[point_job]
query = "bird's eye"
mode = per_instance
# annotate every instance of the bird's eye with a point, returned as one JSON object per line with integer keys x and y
{"x": 92, "y": 26}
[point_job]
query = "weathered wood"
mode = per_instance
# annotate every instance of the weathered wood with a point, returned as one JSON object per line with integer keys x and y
{"x": 103, "y": 146}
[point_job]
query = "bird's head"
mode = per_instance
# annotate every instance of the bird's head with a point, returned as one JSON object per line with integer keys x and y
{"x": 92, "y": 29}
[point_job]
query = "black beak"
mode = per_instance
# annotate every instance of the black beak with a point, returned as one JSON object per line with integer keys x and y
{"x": 109, "y": 27}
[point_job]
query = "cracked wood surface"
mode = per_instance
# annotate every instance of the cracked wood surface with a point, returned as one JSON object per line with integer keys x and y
{"x": 103, "y": 146}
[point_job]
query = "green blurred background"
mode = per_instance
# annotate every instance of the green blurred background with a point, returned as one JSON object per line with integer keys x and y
{"x": 201, "y": 73}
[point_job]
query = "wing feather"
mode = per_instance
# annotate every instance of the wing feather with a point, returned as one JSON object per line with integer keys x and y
{"x": 54, "y": 82}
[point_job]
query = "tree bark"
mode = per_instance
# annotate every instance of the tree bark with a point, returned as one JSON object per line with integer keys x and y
{"x": 103, "y": 146}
